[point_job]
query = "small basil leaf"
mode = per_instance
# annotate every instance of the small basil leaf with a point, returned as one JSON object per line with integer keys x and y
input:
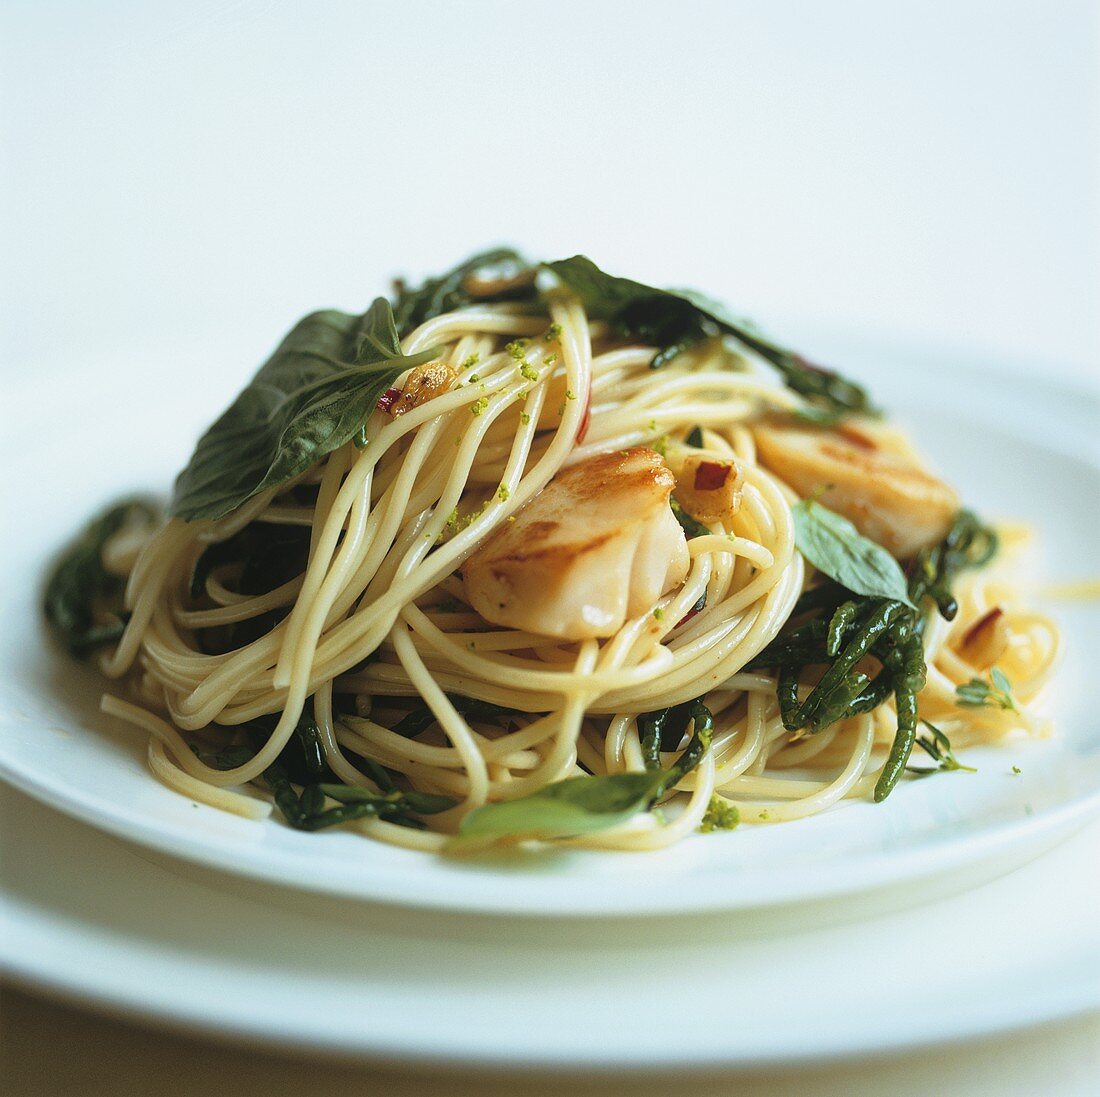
{"x": 82, "y": 600}
{"x": 835, "y": 547}
{"x": 309, "y": 398}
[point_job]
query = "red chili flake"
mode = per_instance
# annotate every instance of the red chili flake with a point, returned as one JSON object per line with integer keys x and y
{"x": 710, "y": 476}
{"x": 586, "y": 416}
{"x": 700, "y": 603}
{"x": 388, "y": 399}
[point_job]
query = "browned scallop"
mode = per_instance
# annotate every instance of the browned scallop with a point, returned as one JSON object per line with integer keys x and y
{"x": 882, "y": 490}
{"x": 597, "y": 546}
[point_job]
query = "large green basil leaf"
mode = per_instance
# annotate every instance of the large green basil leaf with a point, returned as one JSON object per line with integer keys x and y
{"x": 581, "y": 805}
{"x": 578, "y": 805}
{"x": 501, "y": 274}
{"x": 674, "y": 320}
{"x": 309, "y": 398}
{"x": 835, "y": 547}
{"x": 82, "y": 600}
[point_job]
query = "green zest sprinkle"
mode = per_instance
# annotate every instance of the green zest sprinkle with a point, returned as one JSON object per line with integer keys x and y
{"x": 524, "y": 418}
{"x": 503, "y": 493}
{"x": 471, "y": 361}
{"x": 553, "y": 333}
{"x": 479, "y": 405}
{"x": 720, "y": 815}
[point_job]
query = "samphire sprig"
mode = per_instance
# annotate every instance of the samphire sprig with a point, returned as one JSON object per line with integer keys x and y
{"x": 836, "y": 630}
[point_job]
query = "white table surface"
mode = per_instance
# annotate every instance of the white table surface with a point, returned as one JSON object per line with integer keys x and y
{"x": 926, "y": 172}
{"x": 51, "y": 1048}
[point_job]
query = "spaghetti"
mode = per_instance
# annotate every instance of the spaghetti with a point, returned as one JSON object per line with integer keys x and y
{"x": 356, "y": 636}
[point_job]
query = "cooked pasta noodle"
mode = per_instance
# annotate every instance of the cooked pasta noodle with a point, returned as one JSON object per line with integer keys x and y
{"x": 378, "y": 622}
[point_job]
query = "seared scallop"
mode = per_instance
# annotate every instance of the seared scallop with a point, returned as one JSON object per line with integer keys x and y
{"x": 597, "y": 546}
{"x": 878, "y": 486}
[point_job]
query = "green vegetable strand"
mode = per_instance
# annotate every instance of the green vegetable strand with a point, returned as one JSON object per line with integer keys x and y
{"x": 873, "y": 628}
{"x": 842, "y": 619}
{"x": 651, "y": 726}
{"x": 82, "y": 600}
{"x": 787, "y": 692}
{"x": 845, "y": 629}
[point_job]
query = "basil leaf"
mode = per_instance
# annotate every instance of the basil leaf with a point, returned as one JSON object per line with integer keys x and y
{"x": 582, "y": 805}
{"x": 692, "y": 527}
{"x": 674, "y": 320}
{"x": 271, "y": 555}
{"x": 835, "y": 547}
{"x": 309, "y": 398}
{"x": 82, "y": 600}
{"x": 424, "y": 803}
{"x": 501, "y": 274}
{"x": 578, "y": 805}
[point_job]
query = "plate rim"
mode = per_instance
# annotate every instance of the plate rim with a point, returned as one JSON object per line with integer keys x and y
{"x": 869, "y": 873}
{"x": 127, "y": 993}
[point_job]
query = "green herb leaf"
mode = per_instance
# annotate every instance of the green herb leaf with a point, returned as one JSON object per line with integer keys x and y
{"x": 675, "y": 320}
{"x": 579, "y": 805}
{"x": 978, "y": 693}
{"x": 938, "y": 748}
{"x": 501, "y": 274}
{"x": 420, "y": 718}
{"x": 835, "y": 547}
{"x": 310, "y": 397}
{"x": 82, "y": 601}
{"x": 424, "y": 803}
{"x": 692, "y": 527}
{"x": 582, "y": 805}
{"x": 266, "y": 556}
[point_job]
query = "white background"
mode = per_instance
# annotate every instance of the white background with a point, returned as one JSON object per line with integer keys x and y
{"x": 925, "y": 171}
{"x": 198, "y": 175}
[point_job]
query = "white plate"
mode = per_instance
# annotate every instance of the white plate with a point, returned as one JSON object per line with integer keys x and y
{"x": 1014, "y": 449}
{"x": 162, "y": 942}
